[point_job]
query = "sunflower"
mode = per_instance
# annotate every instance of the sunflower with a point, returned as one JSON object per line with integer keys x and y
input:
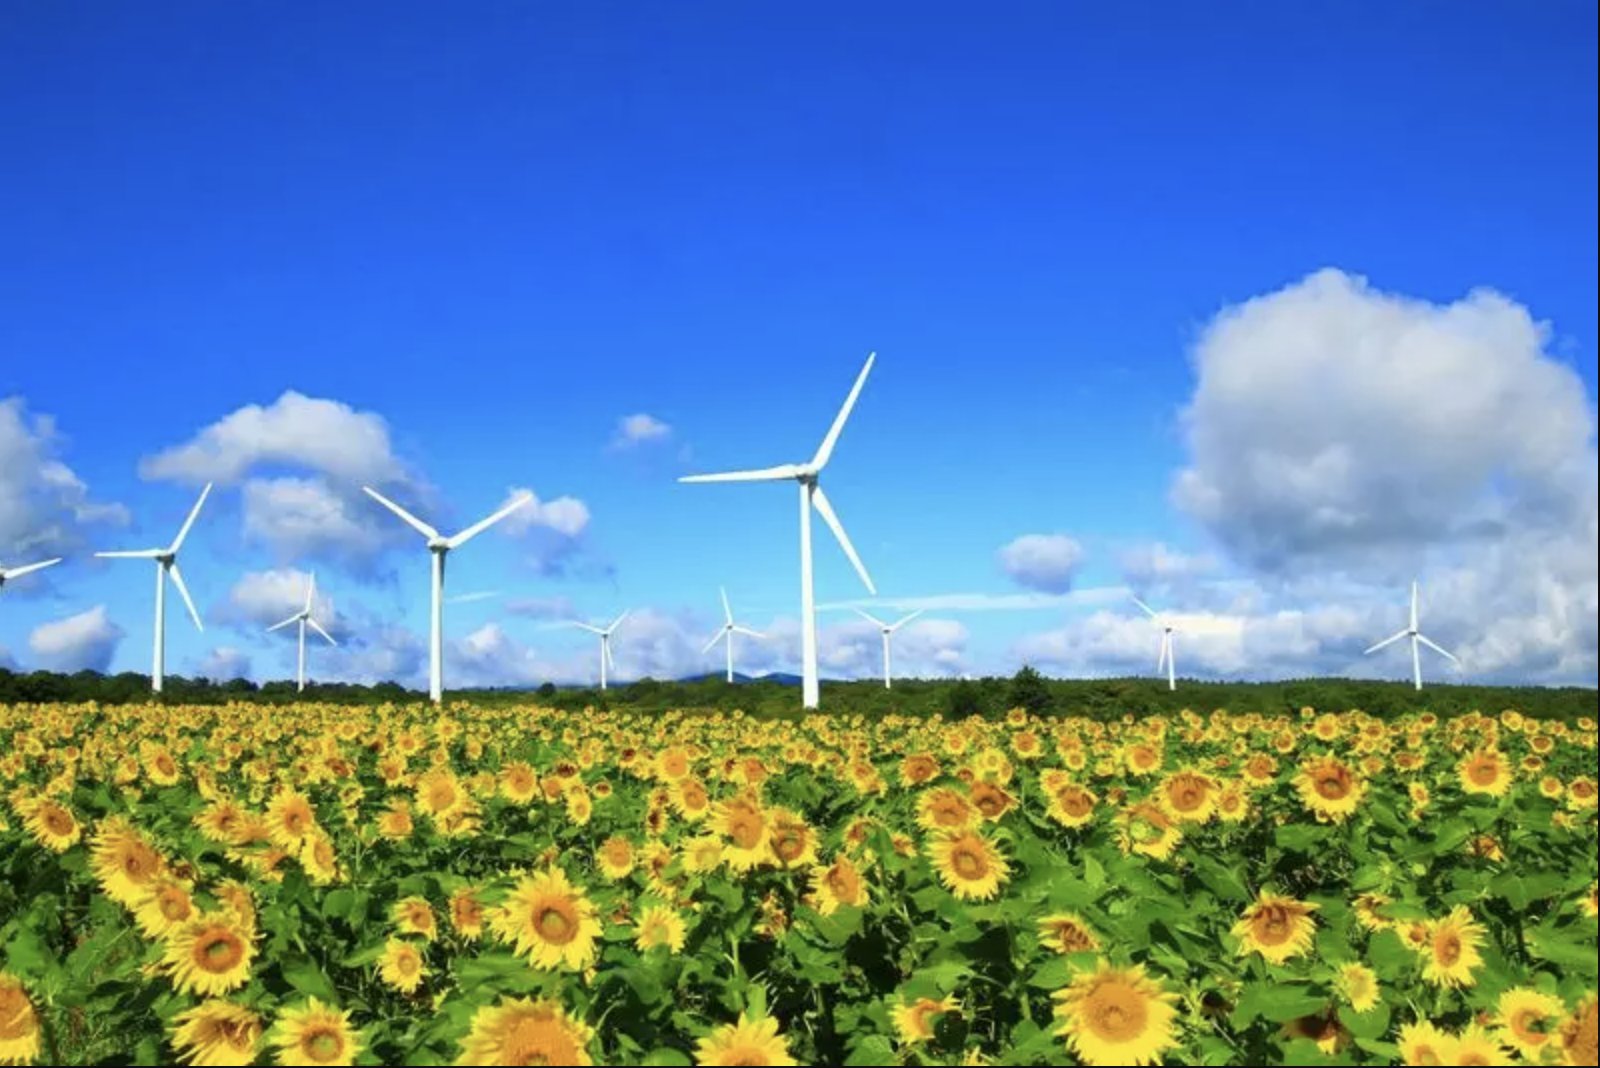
{"x": 1589, "y": 904}
{"x": 1452, "y": 950}
{"x": 1066, "y": 932}
{"x": 919, "y": 768}
{"x": 1116, "y": 1016}
{"x": 1279, "y": 928}
{"x": 690, "y": 799}
{"x": 969, "y": 865}
{"x": 235, "y": 898}
{"x": 746, "y": 1042}
{"x": 1582, "y": 794}
{"x": 124, "y": 863}
{"x": 53, "y": 825}
{"x": 209, "y": 955}
{"x": 945, "y": 808}
{"x": 413, "y": 915}
{"x": 395, "y": 822}
{"x": 313, "y": 1034}
{"x": 1422, "y": 1043}
{"x": 220, "y": 820}
{"x": 402, "y": 966}
{"x": 1577, "y": 1037}
{"x": 466, "y": 913}
{"x": 1485, "y": 772}
{"x": 673, "y": 764}
{"x": 439, "y": 793}
{"x": 914, "y": 1022}
{"x": 793, "y": 841}
{"x": 1358, "y": 985}
{"x": 742, "y": 821}
{"x": 1072, "y": 805}
{"x": 839, "y": 883}
{"x": 1188, "y": 796}
{"x": 1477, "y": 1046}
{"x": 1233, "y": 804}
{"x": 162, "y": 768}
{"x": 549, "y": 921}
{"x": 1321, "y": 1028}
{"x": 166, "y": 906}
{"x": 580, "y": 806}
{"x": 518, "y": 783}
{"x": 526, "y": 1031}
{"x": 290, "y": 818}
{"x": 615, "y": 858}
{"x": 991, "y": 802}
{"x": 1369, "y": 911}
{"x": 1330, "y": 788}
{"x": 216, "y": 1033}
{"x": 1143, "y": 759}
{"x": 19, "y": 1022}
{"x": 1261, "y": 770}
{"x": 660, "y": 926}
{"x": 1525, "y": 1020}
{"x": 318, "y": 859}
{"x": 1144, "y": 828}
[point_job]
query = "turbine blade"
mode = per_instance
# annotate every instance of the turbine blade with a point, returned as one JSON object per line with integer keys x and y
{"x": 906, "y": 620}
{"x": 177, "y": 580}
{"x": 1151, "y": 612}
{"x": 1413, "y": 606}
{"x": 484, "y": 524}
{"x": 279, "y": 626}
{"x": 727, "y": 609}
{"x": 311, "y": 591}
{"x": 747, "y": 632}
{"x": 132, "y": 554}
{"x": 1396, "y": 636}
{"x": 763, "y": 474}
{"x": 318, "y": 628}
{"x": 618, "y": 621}
{"x": 1441, "y": 650}
{"x": 28, "y": 569}
{"x": 1161, "y": 659}
{"x": 590, "y": 627}
{"x": 611, "y": 657}
{"x": 870, "y": 618}
{"x": 412, "y": 521}
{"x": 825, "y": 509}
{"x": 826, "y": 450}
{"x": 194, "y": 513}
{"x": 715, "y": 638}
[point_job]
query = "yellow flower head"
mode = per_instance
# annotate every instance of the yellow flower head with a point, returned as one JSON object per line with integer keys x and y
{"x": 839, "y": 883}
{"x": 413, "y": 915}
{"x": 746, "y": 1042}
{"x": 1117, "y": 1016}
{"x": 660, "y": 926}
{"x": 550, "y": 921}
{"x": 1486, "y": 772}
{"x": 313, "y": 1034}
{"x": 1451, "y": 952}
{"x": 209, "y": 955}
{"x": 1578, "y": 1037}
{"x": 914, "y": 1021}
{"x": 1358, "y": 985}
{"x": 615, "y": 858}
{"x": 1330, "y": 788}
{"x": 744, "y": 824}
{"x": 1422, "y": 1043}
{"x": 526, "y": 1031}
{"x": 217, "y": 1033}
{"x": 1279, "y": 928}
{"x": 19, "y": 1022}
{"x": 1526, "y": 1020}
{"x": 1066, "y": 932}
{"x": 969, "y": 865}
{"x": 402, "y": 966}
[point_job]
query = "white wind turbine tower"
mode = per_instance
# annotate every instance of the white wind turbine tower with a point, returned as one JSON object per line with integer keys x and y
{"x": 887, "y": 629}
{"x": 811, "y": 495}
{"x": 303, "y": 617}
{"x": 440, "y": 546}
{"x": 7, "y": 573}
{"x": 605, "y": 642}
{"x": 727, "y": 631}
{"x": 1418, "y": 640}
{"x": 166, "y": 565}
{"x": 1168, "y": 658}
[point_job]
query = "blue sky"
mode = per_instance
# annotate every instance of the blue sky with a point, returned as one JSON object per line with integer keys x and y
{"x": 494, "y": 235}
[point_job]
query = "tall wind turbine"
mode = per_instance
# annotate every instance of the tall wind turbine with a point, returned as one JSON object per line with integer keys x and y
{"x": 605, "y": 643}
{"x": 303, "y": 617}
{"x": 166, "y": 565}
{"x": 727, "y": 631}
{"x": 1167, "y": 659}
{"x": 7, "y": 573}
{"x": 886, "y": 629}
{"x": 811, "y": 495}
{"x": 1418, "y": 640}
{"x": 440, "y": 546}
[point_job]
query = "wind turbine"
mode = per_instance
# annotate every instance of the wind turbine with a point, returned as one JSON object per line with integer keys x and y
{"x": 605, "y": 643}
{"x": 7, "y": 573}
{"x": 440, "y": 547}
{"x": 727, "y": 631}
{"x": 166, "y": 565}
{"x": 303, "y": 617}
{"x": 1167, "y": 659}
{"x": 1418, "y": 640}
{"x": 811, "y": 495}
{"x": 886, "y": 629}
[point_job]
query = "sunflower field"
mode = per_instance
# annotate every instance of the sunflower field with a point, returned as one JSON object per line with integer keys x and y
{"x": 324, "y": 885}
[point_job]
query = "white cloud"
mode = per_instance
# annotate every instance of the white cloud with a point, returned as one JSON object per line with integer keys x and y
{"x": 294, "y": 431}
{"x": 566, "y": 516}
{"x": 45, "y": 508}
{"x": 1045, "y": 562}
{"x": 1156, "y": 563}
{"x": 306, "y": 518}
{"x": 86, "y": 641}
{"x": 7, "y": 661}
{"x": 259, "y": 599}
{"x": 639, "y": 429}
{"x": 223, "y": 663}
{"x": 984, "y": 602}
{"x": 375, "y": 652}
{"x": 474, "y": 597}
{"x": 542, "y": 607}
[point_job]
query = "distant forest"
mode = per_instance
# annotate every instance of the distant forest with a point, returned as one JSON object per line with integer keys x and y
{"x": 1098, "y": 698}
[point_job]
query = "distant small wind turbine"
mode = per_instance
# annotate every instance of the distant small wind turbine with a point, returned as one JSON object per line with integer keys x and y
{"x": 886, "y": 629}
{"x": 605, "y": 642}
{"x": 303, "y": 617}
{"x": 440, "y": 547}
{"x": 1168, "y": 658}
{"x": 811, "y": 495}
{"x": 726, "y": 632}
{"x": 7, "y": 573}
{"x": 166, "y": 565}
{"x": 1418, "y": 640}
